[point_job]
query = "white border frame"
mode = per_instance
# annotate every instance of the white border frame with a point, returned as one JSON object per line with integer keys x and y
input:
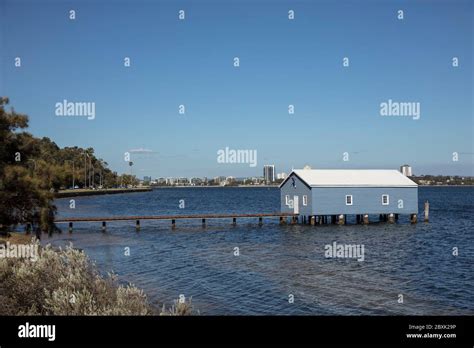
{"x": 352, "y": 200}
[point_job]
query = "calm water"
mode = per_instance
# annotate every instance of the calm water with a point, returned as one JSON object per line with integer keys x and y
{"x": 275, "y": 261}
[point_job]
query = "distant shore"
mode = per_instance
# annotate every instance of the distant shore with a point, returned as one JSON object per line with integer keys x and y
{"x": 270, "y": 186}
{"x": 89, "y": 192}
{"x": 214, "y": 186}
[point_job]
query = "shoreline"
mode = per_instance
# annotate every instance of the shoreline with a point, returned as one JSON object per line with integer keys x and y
{"x": 87, "y": 192}
{"x": 214, "y": 186}
{"x": 272, "y": 186}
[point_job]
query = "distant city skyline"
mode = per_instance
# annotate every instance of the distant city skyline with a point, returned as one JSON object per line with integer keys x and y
{"x": 305, "y": 91}
{"x": 404, "y": 169}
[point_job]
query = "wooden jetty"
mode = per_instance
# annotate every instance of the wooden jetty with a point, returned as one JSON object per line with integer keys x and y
{"x": 295, "y": 218}
{"x": 173, "y": 218}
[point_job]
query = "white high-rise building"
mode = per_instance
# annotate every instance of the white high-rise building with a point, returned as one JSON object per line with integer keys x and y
{"x": 406, "y": 170}
{"x": 269, "y": 173}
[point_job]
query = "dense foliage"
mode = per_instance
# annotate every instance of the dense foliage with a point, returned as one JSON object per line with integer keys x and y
{"x": 32, "y": 169}
{"x": 66, "y": 282}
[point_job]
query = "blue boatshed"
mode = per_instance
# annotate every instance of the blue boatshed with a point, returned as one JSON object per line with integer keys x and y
{"x": 335, "y": 193}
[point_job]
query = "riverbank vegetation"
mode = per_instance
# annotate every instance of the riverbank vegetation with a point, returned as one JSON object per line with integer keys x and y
{"x": 66, "y": 282}
{"x": 33, "y": 169}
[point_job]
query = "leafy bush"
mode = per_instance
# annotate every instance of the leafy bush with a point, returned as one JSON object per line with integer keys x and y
{"x": 66, "y": 282}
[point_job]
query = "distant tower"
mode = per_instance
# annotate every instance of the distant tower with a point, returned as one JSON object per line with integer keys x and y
{"x": 406, "y": 170}
{"x": 269, "y": 173}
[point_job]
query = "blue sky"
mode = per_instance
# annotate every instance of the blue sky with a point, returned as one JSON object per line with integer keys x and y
{"x": 282, "y": 62}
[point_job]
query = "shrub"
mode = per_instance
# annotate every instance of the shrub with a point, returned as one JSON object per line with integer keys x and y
{"x": 64, "y": 282}
{"x": 179, "y": 308}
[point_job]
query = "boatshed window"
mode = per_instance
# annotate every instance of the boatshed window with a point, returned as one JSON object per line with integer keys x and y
{"x": 305, "y": 200}
{"x": 287, "y": 199}
{"x": 349, "y": 200}
{"x": 385, "y": 200}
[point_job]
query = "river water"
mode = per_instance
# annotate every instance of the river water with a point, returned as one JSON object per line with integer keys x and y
{"x": 281, "y": 270}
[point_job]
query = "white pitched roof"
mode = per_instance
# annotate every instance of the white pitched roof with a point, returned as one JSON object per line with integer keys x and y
{"x": 354, "y": 177}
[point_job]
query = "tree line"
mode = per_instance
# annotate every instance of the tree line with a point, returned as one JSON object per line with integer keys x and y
{"x": 33, "y": 169}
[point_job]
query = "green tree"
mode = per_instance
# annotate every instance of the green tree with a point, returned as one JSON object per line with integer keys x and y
{"x": 23, "y": 197}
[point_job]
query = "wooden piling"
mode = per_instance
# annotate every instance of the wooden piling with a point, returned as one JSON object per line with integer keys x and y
{"x": 260, "y": 221}
{"x": 137, "y": 225}
{"x": 38, "y": 232}
{"x": 366, "y": 219}
{"x": 70, "y": 227}
{"x": 282, "y": 222}
{"x": 173, "y": 223}
{"x": 203, "y": 221}
{"x": 103, "y": 226}
{"x": 234, "y": 221}
{"x": 391, "y": 218}
{"x": 313, "y": 220}
{"x": 427, "y": 211}
{"x": 413, "y": 218}
{"x": 341, "y": 219}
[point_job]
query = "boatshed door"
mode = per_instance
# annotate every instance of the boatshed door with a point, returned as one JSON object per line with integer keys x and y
{"x": 296, "y": 205}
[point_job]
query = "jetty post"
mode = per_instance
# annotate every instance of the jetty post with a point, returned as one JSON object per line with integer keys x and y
{"x": 70, "y": 227}
{"x": 366, "y": 219}
{"x": 137, "y": 225}
{"x": 391, "y": 218}
{"x": 234, "y": 221}
{"x": 341, "y": 219}
{"x": 427, "y": 211}
{"x": 413, "y": 218}
{"x": 260, "y": 221}
{"x": 203, "y": 223}
{"x": 104, "y": 226}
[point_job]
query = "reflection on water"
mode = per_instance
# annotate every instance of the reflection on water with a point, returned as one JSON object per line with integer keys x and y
{"x": 275, "y": 261}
